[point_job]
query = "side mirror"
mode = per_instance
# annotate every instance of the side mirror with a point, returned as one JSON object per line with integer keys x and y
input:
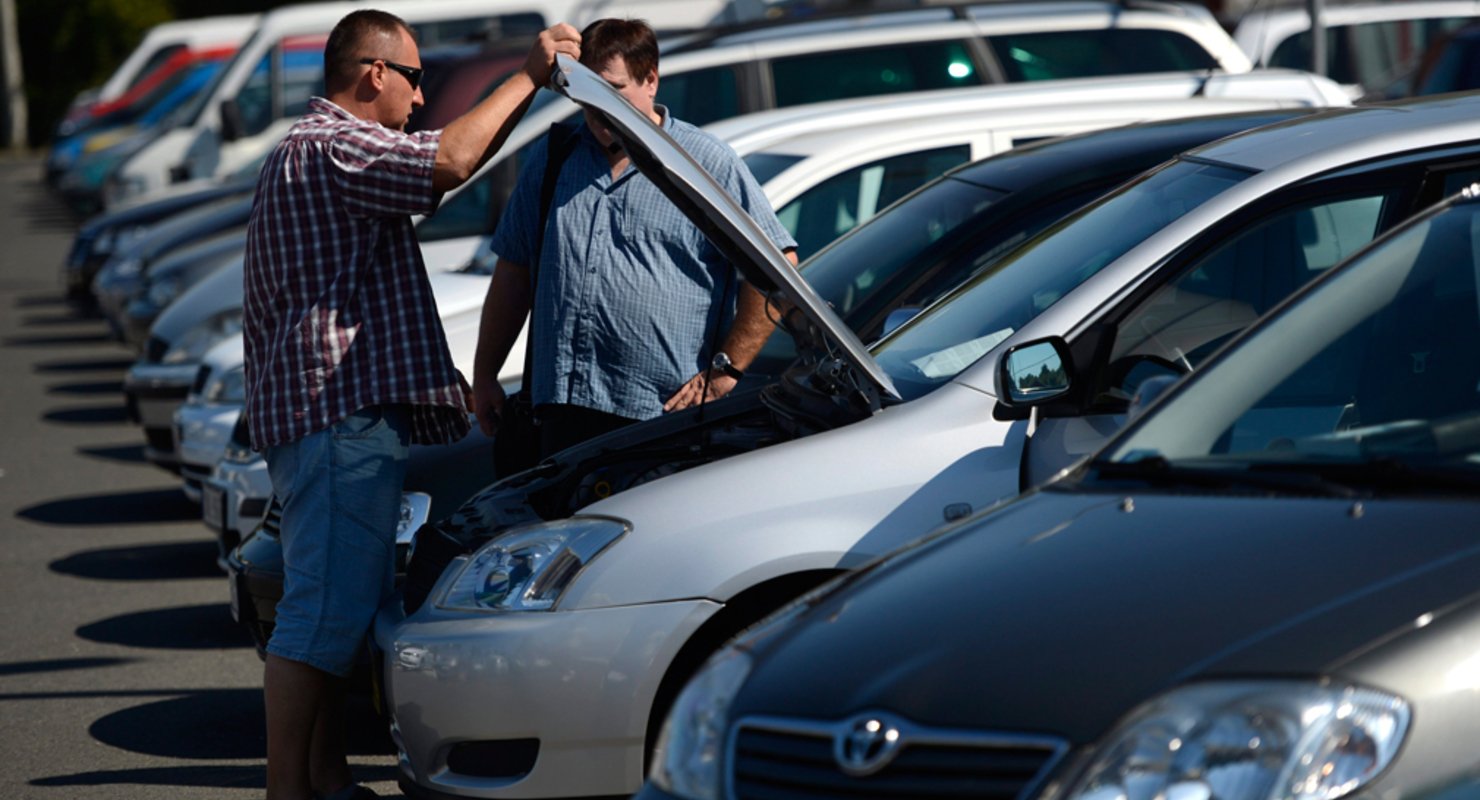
{"x": 1035, "y": 373}
{"x": 898, "y": 317}
{"x": 232, "y": 126}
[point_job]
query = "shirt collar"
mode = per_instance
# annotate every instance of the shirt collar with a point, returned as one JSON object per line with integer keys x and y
{"x": 666, "y": 124}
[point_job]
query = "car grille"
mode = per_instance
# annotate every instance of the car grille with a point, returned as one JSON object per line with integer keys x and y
{"x": 796, "y": 759}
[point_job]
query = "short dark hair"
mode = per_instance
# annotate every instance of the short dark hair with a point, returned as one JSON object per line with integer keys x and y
{"x": 632, "y": 39}
{"x": 349, "y": 42}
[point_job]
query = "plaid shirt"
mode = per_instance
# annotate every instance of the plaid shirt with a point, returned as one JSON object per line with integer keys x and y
{"x": 339, "y": 313}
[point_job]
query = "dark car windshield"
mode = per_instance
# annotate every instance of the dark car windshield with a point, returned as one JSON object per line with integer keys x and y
{"x": 1375, "y": 368}
{"x": 952, "y": 334}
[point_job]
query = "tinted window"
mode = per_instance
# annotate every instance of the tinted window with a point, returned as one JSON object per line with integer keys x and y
{"x": 954, "y": 333}
{"x": 1183, "y": 322}
{"x": 1378, "y": 363}
{"x": 765, "y": 166}
{"x": 842, "y": 202}
{"x": 700, "y": 96}
{"x": 1372, "y": 54}
{"x": 835, "y": 75}
{"x": 1080, "y": 54}
{"x": 475, "y": 210}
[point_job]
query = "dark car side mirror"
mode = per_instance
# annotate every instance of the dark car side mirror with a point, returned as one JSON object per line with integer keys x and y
{"x": 232, "y": 126}
{"x": 1035, "y": 373}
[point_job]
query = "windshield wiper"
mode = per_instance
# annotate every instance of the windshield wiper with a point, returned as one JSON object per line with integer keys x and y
{"x": 1158, "y": 471}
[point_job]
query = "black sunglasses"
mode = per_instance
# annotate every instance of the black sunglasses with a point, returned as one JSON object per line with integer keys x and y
{"x": 413, "y": 74}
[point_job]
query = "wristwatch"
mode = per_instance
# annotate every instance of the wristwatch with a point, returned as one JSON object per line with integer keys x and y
{"x": 722, "y": 363}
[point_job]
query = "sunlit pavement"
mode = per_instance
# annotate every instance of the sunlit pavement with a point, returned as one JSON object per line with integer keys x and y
{"x": 121, "y": 672}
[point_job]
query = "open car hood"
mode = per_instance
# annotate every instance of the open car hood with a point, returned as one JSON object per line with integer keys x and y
{"x": 709, "y": 206}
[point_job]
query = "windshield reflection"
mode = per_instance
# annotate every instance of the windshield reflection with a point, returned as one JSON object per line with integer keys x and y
{"x": 951, "y": 335}
{"x": 1377, "y": 366}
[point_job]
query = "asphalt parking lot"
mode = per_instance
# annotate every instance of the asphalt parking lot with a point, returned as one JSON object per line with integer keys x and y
{"x": 122, "y": 674}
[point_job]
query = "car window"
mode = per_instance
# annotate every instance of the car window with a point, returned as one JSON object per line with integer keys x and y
{"x": 847, "y": 200}
{"x": 1080, "y": 54}
{"x": 254, "y": 101}
{"x": 952, "y": 334}
{"x": 765, "y": 166}
{"x": 701, "y": 96}
{"x": 476, "y": 210}
{"x": 1377, "y": 363}
{"x": 477, "y": 29}
{"x": 1183, "y": 322}
{"x": 839, "y": 74}
{"x": 1371, "y": 54}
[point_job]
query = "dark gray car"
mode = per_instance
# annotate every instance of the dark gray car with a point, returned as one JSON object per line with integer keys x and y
{"x": 1267, "y": 587}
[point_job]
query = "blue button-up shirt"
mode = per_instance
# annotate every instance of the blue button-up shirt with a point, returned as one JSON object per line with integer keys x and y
{"x": 631, "y": 297}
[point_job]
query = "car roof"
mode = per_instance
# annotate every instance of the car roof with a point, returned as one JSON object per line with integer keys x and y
{"x": 1260, "y": 31}
{"x": 754, "y": 131}
{"x": 1348, "y": 135}
{"x": 842, "y": 141}
{"x": 1034, "y": 164}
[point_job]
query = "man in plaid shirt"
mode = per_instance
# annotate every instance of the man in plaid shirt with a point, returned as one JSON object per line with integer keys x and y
{"x": 346, "y": 360}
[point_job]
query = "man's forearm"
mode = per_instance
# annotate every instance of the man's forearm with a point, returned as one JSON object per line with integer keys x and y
{"x": 753, "y": 324}
{"x": 470, "y": 140}
{"x": 504, "y": 310}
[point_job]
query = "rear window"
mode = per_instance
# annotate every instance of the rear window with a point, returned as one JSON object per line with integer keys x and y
{"x": 1371, "y": 55}
{"x": 701, "y": 96}
{"x": 840, "y": 74}
{"x": 1085, "y": 54}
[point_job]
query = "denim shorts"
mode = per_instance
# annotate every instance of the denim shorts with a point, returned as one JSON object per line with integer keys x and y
{"x": 340, "y": 490}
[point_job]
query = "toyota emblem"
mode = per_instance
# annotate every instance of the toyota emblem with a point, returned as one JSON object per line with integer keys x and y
{"x": 867, "y": 745}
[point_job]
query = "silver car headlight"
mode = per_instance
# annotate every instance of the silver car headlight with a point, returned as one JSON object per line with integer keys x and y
{"x": 1248, "y": 740}
{"x": 228, "y": 387}
{"x": 192, "y": 347}
{"x": 530, "y": 567}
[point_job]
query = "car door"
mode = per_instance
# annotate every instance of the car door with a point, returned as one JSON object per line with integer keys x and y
{"x": 1216, "y": 287}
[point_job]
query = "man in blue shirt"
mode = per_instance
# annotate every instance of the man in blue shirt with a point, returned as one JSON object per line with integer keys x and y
{"x": 630, "y": 294}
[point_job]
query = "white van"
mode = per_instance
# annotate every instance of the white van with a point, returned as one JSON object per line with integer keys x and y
{"x": 254, "y": 101}
{"x": 164, "y": 39}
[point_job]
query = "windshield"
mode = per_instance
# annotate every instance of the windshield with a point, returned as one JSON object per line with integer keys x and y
{"x": 1377, "y": 366}
{"x": 951, "y": 335}
{"x": 190, "y": 112}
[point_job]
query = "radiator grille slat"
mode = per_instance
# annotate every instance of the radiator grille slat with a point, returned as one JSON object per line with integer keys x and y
{"x": 799, "y": 764}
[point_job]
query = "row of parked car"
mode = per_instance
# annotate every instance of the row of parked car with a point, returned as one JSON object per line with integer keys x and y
{"x": 995, "y": 301}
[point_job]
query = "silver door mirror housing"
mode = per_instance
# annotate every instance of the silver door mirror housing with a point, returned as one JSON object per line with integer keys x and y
{"x": 1035, "y": 372}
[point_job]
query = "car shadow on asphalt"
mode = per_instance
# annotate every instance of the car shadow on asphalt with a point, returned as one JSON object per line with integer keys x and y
{"x": 84, "y": 365}
{"x": 87, "y": 388}
{"x": 59, "y": 340}
{"x": 153, "y": 562}
{"x": 124, "y": 453}
{"x": 58, "y": 665}
{"x": 119, "y": 508}
{"x": 112, "y": 414}
{"x": 200, "y": 627}
{"x": 224, "y": 724}
{"x": 219, "y": 777}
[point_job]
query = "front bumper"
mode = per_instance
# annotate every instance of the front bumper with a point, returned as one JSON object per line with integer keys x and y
{"x": 202, "y": 431}
{"x": 470, "y": 691}
{"x": 152, "y": 393}
{"x": 234, "y": 501}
